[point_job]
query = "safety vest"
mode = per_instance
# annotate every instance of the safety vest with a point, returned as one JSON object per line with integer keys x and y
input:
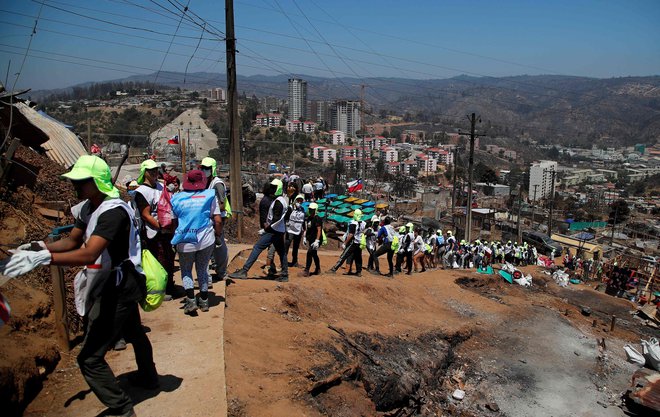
{"x": 193, "y": 209}
{"x": 225, "y": 208}
{"x": 279, "y": 224}
{"x": 89, "y": 282}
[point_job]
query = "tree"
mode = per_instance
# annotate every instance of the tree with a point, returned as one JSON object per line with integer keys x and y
{"x": 403, "y": 185}
{"x": 380, "y": 167}
{"x": 619, "y": 212}
{"x": 484, "y": 173}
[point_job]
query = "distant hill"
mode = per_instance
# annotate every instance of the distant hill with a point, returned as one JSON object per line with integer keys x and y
{"x": 550, "y": 108}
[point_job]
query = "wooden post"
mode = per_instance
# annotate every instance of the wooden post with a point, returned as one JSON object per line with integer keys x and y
{"x": 59, "y": 303}
{"x": 183, "y": 155}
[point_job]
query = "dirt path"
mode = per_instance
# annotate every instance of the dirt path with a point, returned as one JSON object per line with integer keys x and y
{"x": 189, "y": 356}
{"x": 188, "y": 123}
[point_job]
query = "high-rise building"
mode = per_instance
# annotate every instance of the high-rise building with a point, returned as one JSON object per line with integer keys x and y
{"x": 540, "y": 179}
{"x": 297, "y": 99}
{"x": 346, "y": 116}
{"x": 321, "y": 112}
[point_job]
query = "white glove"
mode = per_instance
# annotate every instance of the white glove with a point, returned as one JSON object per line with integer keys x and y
{"x": 343, "y": 246}
{"x": 315, "y": 245}
{"x": 304, "y": 241}
{"x": 33, "y": 246}
{"x": 23, "y": 262}
{"x": 261, "y": 232}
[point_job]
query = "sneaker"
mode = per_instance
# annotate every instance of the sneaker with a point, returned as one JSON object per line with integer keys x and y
{"x": 238, "y": 274}
{"x": 284, "y": 278}
{"x": 190, "y": 306}
{"x": 317, "y": 272}
{"x": 332, "y": 270}
{"x": 203, "y": 304}
{"x": 390, "y": 275}
{"x": 167, "y": 297}
{"x": 120, "y": 345}
{"x": 374, "y": 271}
{"x": 304, "y": 273}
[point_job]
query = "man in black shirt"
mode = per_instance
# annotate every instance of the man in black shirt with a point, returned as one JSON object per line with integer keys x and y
{"x": 105, "y": 240}
{"x": 313, "y": 235}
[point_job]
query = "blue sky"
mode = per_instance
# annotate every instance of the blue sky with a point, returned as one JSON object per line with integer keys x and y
{"x": 359, "y": 38}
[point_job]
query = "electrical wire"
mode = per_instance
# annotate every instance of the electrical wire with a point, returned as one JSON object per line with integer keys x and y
{"x": 170, "y": 46}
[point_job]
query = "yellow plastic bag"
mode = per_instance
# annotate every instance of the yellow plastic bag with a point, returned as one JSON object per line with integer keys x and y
{"x": 156, "y": 277}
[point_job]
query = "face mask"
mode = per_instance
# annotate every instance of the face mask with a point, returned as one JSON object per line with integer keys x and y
{"x": 207, "y": 172}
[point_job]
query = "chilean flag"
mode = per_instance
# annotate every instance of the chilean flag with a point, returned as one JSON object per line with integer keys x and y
{"x": 354, "y": 186}
{"x": 174, "y": 140}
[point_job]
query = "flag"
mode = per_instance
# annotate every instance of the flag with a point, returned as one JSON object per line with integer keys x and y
{"x": 354, "y": 186}
{"x": 174, "y": 140}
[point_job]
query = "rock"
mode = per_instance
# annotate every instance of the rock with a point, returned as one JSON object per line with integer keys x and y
{"x": 458, "y": 394}
{"x": 493, "y": 407}
{"x": 602, "y": 404}
{"x": 522, "y": 360}
{"x": 586, "y": 311}
{"x": 577, "y": 353}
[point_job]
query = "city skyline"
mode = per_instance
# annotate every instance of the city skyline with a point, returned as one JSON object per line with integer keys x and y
{"x": 75, "y": 41}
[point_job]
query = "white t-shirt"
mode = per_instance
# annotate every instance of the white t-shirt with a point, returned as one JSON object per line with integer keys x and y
{"x": 205, "y": 236}
{"x": 307, "y": 188}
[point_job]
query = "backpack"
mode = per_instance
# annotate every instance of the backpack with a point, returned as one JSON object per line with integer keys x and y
{"x": 395, "y": 243}
{"x": 156, "y": 281}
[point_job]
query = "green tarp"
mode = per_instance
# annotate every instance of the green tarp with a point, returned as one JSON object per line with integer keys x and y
{"x": 586, "y": 225}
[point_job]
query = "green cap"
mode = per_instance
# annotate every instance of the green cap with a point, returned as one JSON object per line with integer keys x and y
{"x": 280, "y": 186}
{"x": 90, "y": 166}
{"x": 210, "y": 163}
{"x": 402, "y": 229}
{"x": 357, "y": 215}
{"x": 148, "y": 164}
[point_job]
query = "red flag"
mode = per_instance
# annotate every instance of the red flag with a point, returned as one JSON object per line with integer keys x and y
{"x": 174, "y": 140}
{"x": 354, "y": 186}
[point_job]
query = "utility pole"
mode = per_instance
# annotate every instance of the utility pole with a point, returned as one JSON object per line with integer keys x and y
{"x": 468, "y": 205}
{"x": 453, "y": 194}
{"x": 364, "y": 179}
{"x": 616, "y": 213}
{"x": 552, "y": 199}
{"x": 293, "y": 153}
{"x": 89, "y": 133}
{"x": 519, "y": 206}
{"x": 184, "y": 165}
{"x": 232, "y": 110}
{"x": 534, "y": 204}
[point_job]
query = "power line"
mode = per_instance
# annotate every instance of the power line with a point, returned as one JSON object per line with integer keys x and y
{"x": 170, "y": 46}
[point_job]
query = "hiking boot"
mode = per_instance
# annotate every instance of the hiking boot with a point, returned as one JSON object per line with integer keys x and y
{"x": 190, "y": 306}
{"x": 305, "y": 273}
{"x": 120, "y": 345}
{"x": 294, "y": 265}
{"x": 374, "y": 271}
{"x": 203, "y": 304}
{"x": 284, "y": 278}
{"x": 238, "y": 274}
{"x": 349, "y": 273}
{"x": 317, "y": 272}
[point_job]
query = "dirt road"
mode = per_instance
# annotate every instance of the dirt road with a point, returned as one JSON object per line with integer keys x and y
{"x": 189, "y": 356}
{"x": 187, "y": 124}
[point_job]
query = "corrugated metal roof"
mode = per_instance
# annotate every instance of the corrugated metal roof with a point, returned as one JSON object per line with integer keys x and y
{"x": 62, "y": 146}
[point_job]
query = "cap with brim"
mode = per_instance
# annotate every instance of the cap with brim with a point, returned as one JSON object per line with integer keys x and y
{"x": 144, "y": 166}
{"x": 194, "y": 181}
{"x": 299, "y": 197}
{"x": 278, "y": 183}
{"x": 313, "y": 206}
{"x": 91, "y": 166}
{"x": 209, "y": 162}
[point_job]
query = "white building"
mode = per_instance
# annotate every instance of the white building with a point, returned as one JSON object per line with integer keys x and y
{"x": 297, "y": 99}
{"x": 338, "y": 137}
{"x": 346, "y": 116}
{"x": 268, "y": 120}
{"x": 389, "y": 154}
{"x": 218, "y": 94}
{"x": 541, "y": 175}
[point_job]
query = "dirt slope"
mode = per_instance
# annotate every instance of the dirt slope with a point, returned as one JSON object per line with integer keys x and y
{"x": 371, "y": 346}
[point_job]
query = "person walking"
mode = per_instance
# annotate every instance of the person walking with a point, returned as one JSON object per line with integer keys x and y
{"x": 105, "y": 240}
{"x": 351, "y": 246}
{"x": 319, "y": 187}
{"x": 220, "y": 251}
{"x": 295, "y": 229}
{"x": 371, "y": 239}
{"x": 274, "y": 229}
{"x": 156, "y": 239}
{"x": 308, "y": 190}
{"x": 384, "y": 237}
{"x": 199, "y": 224}
{"x": 313, "y": 236}
{"x": 419, "y": 248}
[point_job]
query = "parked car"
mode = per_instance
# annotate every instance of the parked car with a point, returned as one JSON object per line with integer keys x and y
{"x": 543, "y": 243}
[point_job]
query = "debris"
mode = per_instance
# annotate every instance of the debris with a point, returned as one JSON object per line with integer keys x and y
{"x": 604, "y": 405}
{"x": 493, "y": 407}
{"x": 645, "y": 388}
{"x": 263, "y": 308}
{"x": 576, "y": 353}
{"x": 332, "y": 380}
{"x": 586, "y": 311}
{"x": 458, "y": 394}
{"x": 561, "y": 278}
